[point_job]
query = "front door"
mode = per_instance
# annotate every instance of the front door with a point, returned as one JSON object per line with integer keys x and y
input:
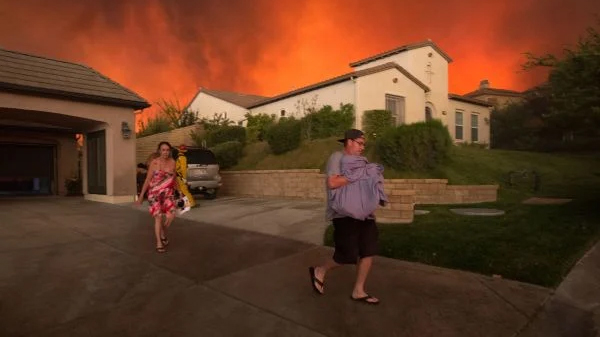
{"x": 96, "y": 162}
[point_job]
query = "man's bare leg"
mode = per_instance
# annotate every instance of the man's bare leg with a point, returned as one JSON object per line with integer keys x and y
{"x": 362, "y": 271}
{"x": 321, "y": 270}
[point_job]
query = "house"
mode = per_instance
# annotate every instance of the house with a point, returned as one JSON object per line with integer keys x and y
{"x": 411, "y": 81}
{"x": 48, "y": 110}
{"x": 499, "y": 98}
{"x": 224, "y": 104}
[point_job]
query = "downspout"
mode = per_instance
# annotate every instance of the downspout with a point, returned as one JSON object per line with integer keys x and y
{"x": 356, "y": 113}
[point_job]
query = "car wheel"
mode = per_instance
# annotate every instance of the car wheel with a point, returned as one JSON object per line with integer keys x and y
{"x": 210, "y": 195}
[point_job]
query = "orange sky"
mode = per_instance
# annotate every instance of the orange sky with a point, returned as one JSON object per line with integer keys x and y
{"x": 168, "y": 49}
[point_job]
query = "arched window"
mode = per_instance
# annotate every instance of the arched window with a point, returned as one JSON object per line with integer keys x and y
{"x": 428, "y": 114}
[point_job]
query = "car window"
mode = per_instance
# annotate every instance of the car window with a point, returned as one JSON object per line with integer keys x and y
{"x": 205, "y": 157}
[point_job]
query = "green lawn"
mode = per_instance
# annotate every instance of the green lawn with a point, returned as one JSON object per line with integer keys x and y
{"x": 531, "y": 243}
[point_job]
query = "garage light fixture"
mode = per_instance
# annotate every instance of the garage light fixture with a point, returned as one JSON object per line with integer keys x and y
{"x": 125, "y": 130}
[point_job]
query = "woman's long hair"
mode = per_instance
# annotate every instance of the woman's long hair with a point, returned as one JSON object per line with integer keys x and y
{"x": 161, "y": 144}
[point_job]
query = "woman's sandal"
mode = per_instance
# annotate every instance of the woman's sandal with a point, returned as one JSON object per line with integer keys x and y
{"x": 164, "y": 241}
{"x": 161, "y": 249}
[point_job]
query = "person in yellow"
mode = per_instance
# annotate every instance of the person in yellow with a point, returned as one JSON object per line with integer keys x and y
{"x": 181, "y": 169}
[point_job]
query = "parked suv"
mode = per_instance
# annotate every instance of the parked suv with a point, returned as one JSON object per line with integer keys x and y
{"x": 202, "y": 172}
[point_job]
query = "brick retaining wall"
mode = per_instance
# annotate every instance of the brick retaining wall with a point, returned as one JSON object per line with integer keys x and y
{"x": 310, "y": 184}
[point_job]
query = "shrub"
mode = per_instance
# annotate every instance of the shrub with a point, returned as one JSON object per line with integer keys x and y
{"x": 257, "y": 125}
{"x": 226, "y": 133}
{"x": 228, "y": 153}
{"x": 416, "y": 146}
{"x": 376, "y": 122}
{"x": 198, "y": 137}
{"x": 284, "y": 136}
{"x": 153, "y": 126}
{"x": 327, "y": 122}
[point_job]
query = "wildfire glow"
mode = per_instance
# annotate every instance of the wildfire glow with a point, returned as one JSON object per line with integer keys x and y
{"x": 168, "y": 49}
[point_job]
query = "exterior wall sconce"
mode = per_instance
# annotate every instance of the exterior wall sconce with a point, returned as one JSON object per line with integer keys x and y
{"x": 444, "y": 113}
{"x": 486, "y": 120}
{"x": 125, "y": 130}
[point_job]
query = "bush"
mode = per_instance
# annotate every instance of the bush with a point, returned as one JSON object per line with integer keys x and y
{"x": 226, "y": 133}
{"x": 327, "y": 122}
{"x": 284, "y": 136}
{"x": 416, "y": 146}
{"x": 228, "y": 153}
{"x": 198, "y": 137}
{"x": 376, "y": 122}
{"x": 153, "y": 126}
{"x": 257, "y": 125}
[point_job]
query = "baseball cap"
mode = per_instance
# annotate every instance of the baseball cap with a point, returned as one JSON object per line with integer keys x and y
{"x": 352, "y": 134}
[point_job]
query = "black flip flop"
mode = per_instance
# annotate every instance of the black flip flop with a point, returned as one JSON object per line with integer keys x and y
{"x": 365, "y": 299}
{"x": 314, "y": 279}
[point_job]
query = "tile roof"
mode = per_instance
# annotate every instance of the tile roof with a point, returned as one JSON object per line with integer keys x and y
{"x": 40, "y": 75}
{"x": 493, "y": 91}
{"x": 400, "y": 50}
{"x": 243, "y": 100}
{"x": 343, "y": 78}
{"x": 469, "y": 100}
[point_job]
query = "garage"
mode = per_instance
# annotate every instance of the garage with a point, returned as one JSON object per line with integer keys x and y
{"x": 65, "y": 129}
{"x": 27, "y": 169}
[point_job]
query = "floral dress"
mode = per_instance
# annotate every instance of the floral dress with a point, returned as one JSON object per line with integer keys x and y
{"x": 161, "y": 195}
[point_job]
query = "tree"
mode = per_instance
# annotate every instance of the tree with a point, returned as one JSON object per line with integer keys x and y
{"x": 258, "y": 124}
{"x": 154, "y": 125}
{"x": 574, "y": 87}
{"x": 305, "y": 110}
{"x": 177, "y": 116}
{"x": 216, "y": 121}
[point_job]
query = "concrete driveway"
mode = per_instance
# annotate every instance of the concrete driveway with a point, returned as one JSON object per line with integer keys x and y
{"x": 301, "y": 220}
{"x": 70, "y": 267}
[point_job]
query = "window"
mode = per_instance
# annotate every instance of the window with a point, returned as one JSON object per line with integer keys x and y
{"x": 428, "y": 115}
{"x": 474, "y": 127}
{"x": 458, "y": 125}
{"x": 282, "y": 113}
{"x": 395, "y": 105}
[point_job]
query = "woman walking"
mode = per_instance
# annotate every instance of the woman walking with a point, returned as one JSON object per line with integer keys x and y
{"x": 161, "y": 185}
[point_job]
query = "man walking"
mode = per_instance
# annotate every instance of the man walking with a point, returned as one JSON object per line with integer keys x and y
{"x": 355, "y": 240}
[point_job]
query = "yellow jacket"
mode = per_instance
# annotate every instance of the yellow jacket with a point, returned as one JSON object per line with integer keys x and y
{"x": 181, "y": 167}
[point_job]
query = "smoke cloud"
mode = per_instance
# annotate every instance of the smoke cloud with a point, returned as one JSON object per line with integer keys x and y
{"x": 167, "y": 49}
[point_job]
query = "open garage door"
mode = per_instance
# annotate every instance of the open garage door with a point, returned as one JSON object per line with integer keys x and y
{"x": 27, "y": 169}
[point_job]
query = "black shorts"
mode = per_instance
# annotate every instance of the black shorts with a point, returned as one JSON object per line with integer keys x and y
{"x": 354, "y": 239}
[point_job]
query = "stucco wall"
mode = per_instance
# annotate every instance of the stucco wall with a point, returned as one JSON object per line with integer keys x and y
{"x": 468, "y": 109}
{"x": 66, "y": 152}
{"x": 310, "y": 184}
{"x": 207, "y": 106}
{"x": 120, "y": 152}
{"x": 415, "y": 61}
{"x": 332, "y": 95}
{"x": 147, "y": 145}
{"x": 371, "y": 91}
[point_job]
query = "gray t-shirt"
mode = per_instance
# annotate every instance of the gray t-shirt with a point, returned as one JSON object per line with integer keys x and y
{"x": 334, "y": 167}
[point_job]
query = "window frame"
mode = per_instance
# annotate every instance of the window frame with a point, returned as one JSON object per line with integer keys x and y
{"x": 475, "y": 128}
{"x": 458, "y": 112}
{"x": 399, "y": 115}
